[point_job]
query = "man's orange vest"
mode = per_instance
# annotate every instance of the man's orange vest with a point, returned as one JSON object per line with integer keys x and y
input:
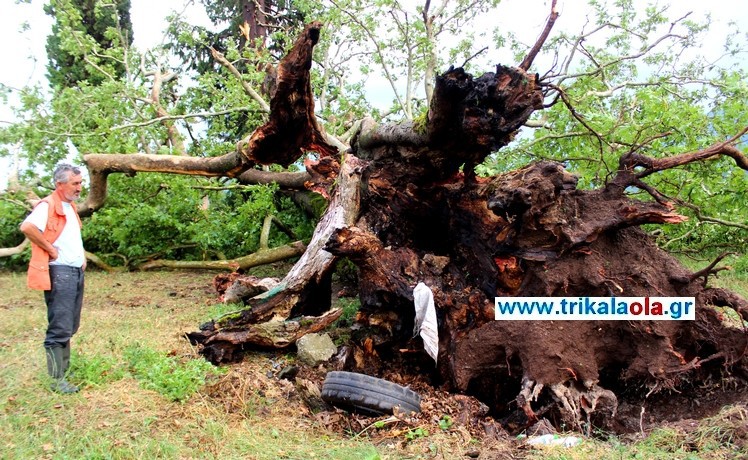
{"x": 38, "y": 274}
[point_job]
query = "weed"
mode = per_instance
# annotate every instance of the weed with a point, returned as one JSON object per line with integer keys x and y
{"x": 724, "y": 430}
{"x": 445, "y": 422}
{"x": 155, "y": 371}
{"x": 350, "y": 307}
{"x": 416, "y": 433}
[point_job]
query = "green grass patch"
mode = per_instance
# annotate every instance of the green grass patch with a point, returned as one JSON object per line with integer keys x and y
{"x": 94, "y": 370}
{"x": 166, "y": 375}
{"x": 135, "y": 399}
{"x": 350, "y": 306}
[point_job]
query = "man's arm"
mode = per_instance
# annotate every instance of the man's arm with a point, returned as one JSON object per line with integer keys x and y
{"x": 35, "y": 236}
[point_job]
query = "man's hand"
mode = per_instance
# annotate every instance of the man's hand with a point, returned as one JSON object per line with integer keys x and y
{"x": 36, "y": 237}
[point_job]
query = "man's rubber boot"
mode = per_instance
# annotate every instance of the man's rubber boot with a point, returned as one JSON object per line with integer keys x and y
{"x": 65, "y": 358}
{"x": 54, "y": 368}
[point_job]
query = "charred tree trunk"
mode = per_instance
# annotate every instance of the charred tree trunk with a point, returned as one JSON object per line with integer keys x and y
{"x": 406, "y": 207}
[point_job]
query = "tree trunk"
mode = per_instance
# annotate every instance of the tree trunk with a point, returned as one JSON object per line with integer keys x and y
{"x": 407, "y": 208}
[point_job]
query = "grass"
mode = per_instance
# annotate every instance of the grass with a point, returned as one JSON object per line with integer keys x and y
{"x": 142, "y": 394}
{"x": 735, "y": 278}
{"x": 147, "y": 394}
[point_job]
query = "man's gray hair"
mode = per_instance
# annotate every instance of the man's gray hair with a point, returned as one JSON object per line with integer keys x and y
{"x": 61, "y": 172}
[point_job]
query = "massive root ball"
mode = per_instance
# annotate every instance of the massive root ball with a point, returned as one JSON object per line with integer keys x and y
{"x": 406, "y": 208}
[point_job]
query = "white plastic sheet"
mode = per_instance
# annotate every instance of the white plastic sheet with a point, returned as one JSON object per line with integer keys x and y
{"x": 426, "y": 325}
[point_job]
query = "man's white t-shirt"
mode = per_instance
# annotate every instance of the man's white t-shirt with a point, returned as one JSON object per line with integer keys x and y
{"x": 69, "y": 244}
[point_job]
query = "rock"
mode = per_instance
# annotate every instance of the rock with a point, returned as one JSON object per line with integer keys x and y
{"x": 313, "y": 349}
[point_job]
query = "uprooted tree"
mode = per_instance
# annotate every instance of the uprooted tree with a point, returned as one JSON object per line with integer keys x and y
{"x": 405, "y": 206}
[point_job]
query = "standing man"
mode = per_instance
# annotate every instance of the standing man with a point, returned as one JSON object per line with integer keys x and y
{"x": 56, "y": 267}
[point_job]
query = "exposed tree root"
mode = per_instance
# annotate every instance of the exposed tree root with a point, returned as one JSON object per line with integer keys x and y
{"x": 528, "y": 232}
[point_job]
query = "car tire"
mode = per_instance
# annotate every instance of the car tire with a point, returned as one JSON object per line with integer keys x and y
{"x": 368, "y": 395}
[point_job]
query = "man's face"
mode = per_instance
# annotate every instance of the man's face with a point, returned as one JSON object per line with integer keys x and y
{"x": 71, "y": 190}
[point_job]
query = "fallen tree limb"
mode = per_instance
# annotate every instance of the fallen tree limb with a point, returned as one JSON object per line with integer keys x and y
{"x": 277, "y": 333}
{"x": 225, "y": 345}
{"x": 97, "y": 261}
{"x": 7, "y": 252}
{"x": 252, "y": 260}
{"x": 306, "y": 287}
{"x": 101, "y": 165}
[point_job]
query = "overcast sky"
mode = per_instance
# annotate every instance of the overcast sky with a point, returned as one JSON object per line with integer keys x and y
{"x": 23, "y": 57}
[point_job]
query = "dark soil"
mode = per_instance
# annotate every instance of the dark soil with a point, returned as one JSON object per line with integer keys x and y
{"x": 549, "y": 240}
{"x": 489, "y": 410}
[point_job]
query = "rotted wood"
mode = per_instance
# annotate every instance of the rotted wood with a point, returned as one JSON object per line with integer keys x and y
{"x": 292, "y": 128}
{"x": 236, "y": 287}
{"x": 227, "y": 344}
{"x": 470, "y": 118}
{"x": 543, "y": 197}
{"x": 290, "y": 131}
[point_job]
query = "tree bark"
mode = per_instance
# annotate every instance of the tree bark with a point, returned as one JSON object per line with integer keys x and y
{"x": 306, "y": 287}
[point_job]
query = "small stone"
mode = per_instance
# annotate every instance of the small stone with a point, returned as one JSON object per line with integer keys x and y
{"x": 313, "y": 349}
{"x": 288, "y": 372}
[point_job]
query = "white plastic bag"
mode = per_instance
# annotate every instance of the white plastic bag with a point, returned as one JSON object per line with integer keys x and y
{"x": 425, "y": 325}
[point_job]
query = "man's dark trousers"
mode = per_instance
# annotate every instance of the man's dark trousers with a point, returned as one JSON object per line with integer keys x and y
{"x": 64, "y": 303}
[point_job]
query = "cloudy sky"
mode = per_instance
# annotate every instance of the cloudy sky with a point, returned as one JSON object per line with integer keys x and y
{"x": 23, "y": 57}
